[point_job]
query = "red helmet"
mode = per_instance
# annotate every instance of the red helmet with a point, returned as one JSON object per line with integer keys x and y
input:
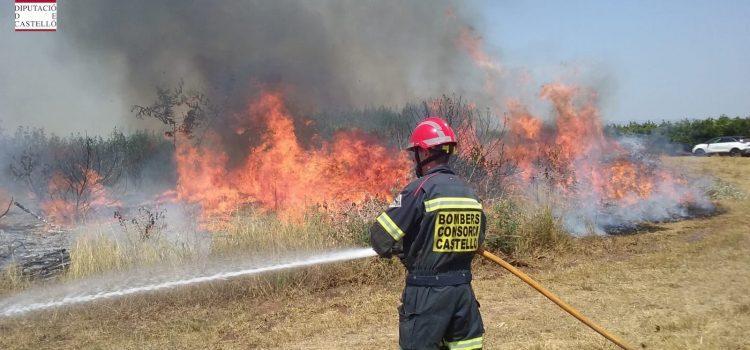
{"x": 430, "y": 133}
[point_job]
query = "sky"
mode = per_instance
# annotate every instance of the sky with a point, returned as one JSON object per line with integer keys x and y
{"x": 648, "y": 60}
{"x": 652, "y": 60}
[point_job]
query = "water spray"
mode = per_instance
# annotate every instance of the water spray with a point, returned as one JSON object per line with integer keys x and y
{"x": 16, "y": 309}
{"x": 23, "y": 307}
{"x": 555, "y": 299}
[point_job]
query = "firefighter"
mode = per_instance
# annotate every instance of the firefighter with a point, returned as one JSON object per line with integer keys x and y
{"x": 434, "y": 226}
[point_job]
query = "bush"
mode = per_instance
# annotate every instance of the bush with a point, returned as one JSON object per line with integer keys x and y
{"x": 524, "y": 232}
{"x": 77, "y": 170}
{"x": 504, "y": 219}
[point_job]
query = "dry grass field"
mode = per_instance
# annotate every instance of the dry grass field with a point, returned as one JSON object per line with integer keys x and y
{"x": 681, "y": 285}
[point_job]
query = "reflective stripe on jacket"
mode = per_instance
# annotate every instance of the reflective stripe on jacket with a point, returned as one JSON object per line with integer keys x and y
{"x": 434, "y": 225}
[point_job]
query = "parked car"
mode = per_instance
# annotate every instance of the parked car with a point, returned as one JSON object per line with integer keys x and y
{"x": 732, "y": 145}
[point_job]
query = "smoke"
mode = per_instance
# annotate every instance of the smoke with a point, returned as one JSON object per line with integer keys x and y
{"x": 316, "y": 56}
{"x": 322, "y": 53}
{"x": 672, "y": 194}
{"x": 595, "y": 183}
{"x": 108, "y": 55}
{"x": 49, "y": 84}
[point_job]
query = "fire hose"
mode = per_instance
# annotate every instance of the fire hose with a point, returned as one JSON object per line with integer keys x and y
{"x": 555, "y": 299}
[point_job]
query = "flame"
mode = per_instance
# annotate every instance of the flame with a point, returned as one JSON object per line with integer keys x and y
{"x": 579, "y": 128}
{"x": 473, "y": 43}
{"x": 72, "y": 199}
{"x": 573, "y": 154}
{"x": 526, "y": 141}
{"x": 576, "y": 149}
{"x": 280, "y": 175}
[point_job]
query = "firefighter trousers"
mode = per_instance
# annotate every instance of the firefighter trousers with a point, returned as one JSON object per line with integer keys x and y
{"x": 444, "y": 317}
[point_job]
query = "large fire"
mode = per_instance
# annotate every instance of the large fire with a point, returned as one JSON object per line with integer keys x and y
{"x": 574, "y": 152}
{"x": 281, "y": 175}
{"x": 602, "y": 182}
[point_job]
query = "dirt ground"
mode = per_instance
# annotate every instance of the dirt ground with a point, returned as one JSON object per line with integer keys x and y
{"x": 681, "y": 285}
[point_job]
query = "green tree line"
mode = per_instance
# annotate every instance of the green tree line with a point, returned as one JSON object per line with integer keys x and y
{"x": 687, "y": 132}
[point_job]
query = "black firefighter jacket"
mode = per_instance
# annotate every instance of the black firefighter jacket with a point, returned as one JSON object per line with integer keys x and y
{"x": 434, "y": 226}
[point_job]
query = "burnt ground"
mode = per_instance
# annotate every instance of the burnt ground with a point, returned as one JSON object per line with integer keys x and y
{"x": 40, "y": 251}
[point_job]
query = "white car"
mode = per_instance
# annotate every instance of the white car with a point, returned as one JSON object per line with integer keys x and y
{"x": 732, "y": 145}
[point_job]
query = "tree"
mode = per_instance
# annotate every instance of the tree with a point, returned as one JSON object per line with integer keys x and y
{"x": 181, "y": 111}
{"x": 481, "y": 157}
{"x": 81, "y": 173}
{"x": 31, "y": 159}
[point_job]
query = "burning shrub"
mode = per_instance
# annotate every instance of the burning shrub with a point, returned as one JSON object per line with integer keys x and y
{"x": 279, "y": 174}
{"x": 77, "y": 186}
{"x": 266, "y": 158}
{"x": 67, "y": 175}
{"x": 481, "y": 154}
{"x": 73, "y": 197}
{"x": 74, "y": 177}
{"x": 605, "y": 183}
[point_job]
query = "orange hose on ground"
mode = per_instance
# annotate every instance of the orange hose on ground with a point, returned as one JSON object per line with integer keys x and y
{"x": 555, "y": 299}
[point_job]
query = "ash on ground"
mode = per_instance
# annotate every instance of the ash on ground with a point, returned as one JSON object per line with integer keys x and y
{"x": 40, "y": 252}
